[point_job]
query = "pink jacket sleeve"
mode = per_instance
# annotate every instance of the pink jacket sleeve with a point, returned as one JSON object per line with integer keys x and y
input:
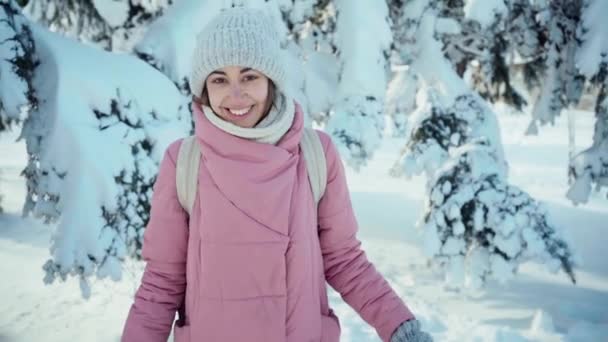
{"x": 347, "y": 269}
{"x": 163, "y": 284}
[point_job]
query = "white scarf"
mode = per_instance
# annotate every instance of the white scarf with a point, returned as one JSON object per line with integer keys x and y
{"x": 270, "y": 130}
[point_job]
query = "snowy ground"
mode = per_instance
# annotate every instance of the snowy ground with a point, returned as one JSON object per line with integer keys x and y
{"x": 536, "y": 306}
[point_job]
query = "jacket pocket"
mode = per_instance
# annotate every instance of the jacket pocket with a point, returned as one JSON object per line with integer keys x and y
{"x": 330, "y": 327}
{"x": 243, "y": 270}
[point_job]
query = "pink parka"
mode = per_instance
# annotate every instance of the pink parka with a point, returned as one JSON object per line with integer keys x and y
{"x": 252, "y": 262}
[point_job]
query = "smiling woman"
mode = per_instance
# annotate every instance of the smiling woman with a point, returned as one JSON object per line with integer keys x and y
{"x": 240, "y": 95}
{"x": 250, "y": 260}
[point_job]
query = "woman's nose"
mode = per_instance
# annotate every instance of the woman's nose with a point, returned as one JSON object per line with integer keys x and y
{"x": 236, "y": 90}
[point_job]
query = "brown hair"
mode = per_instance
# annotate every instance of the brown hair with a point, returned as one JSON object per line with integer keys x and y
{"x": 272, "y": 93}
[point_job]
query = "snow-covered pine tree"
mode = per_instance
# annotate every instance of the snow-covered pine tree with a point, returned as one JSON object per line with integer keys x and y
{"x": 589, "y": 168}
{"x": 311, "y": 42}
{"x": 93, "y": 147}
{"x": 357, "y": 120}
{"x": 17, "y": 64}
{"x": 75, "y": 18}
{"x": 479, "y": 46}
{"x": 562, "y": 84}
{"x": 476, "y": 224}
{"x": 404, "y": 85}
{"x": 526, "y": 37}
{"x": 559, "y": 48}
{"x": 113, "y": 25}
{"x": 401, "y": 99}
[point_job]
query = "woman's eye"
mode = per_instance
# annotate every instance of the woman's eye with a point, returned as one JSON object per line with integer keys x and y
{"x": 250, "y": 78}
{"x": 217, "y": 81}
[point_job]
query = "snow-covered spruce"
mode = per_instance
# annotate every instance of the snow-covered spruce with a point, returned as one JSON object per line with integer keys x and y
{"x": 357, "y": 121}
{"x": 562, "y": 84}
{"x": 476, "y": 224}
{"x": 94, "y": 148}
{"x": 478, "y": 39}
{"x": 78, "y": 19}
{"x": 112, "y": 25}
{"x": 525, "y": 35}
{"x": 401, "y": 100}
{"x": 132, "y": 210}
{"x": 401, "y": 93}
{"x": 589, "y": 168}
{"x": 124, "y": 221}
{"x": 311, "y": 42}
{"x": 17, "y": 65}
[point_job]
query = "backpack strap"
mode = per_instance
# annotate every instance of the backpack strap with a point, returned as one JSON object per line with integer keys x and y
{"x": 316, "y": 165}
{"x": 186, "y": 171}
{"x": 188, "y": 160}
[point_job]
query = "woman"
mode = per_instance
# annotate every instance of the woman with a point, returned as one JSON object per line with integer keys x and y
{"x": 251, "y": 262}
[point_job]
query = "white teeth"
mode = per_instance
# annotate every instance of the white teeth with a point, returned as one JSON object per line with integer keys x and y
{"x": 239, "y": 112}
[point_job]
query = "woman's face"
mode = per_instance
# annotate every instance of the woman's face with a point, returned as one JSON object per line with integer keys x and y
{"x": 239, "y": 95}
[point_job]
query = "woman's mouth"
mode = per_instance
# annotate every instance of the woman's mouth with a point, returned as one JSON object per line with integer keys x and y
{"x": 238, "y": 113}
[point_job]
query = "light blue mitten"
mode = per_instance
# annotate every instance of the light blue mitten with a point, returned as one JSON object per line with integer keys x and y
{"x": 409, "y": 331}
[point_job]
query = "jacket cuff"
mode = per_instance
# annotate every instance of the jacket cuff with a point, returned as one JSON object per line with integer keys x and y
{"x": 397, "y": 318}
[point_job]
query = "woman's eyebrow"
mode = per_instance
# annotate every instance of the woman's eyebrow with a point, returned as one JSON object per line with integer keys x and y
{"x": 244, "y": 70}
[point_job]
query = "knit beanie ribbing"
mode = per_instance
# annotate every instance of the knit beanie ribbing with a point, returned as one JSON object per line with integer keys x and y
{"x": 237, "y": 36}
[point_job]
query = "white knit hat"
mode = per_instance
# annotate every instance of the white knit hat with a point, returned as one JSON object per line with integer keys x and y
{"x": 238, "y": 36}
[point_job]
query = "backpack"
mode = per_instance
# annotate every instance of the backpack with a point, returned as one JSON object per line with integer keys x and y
{"x": 188, "y": 160}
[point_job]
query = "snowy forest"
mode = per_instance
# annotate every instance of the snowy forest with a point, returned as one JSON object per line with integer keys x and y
{"x": 95, "y": 91}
